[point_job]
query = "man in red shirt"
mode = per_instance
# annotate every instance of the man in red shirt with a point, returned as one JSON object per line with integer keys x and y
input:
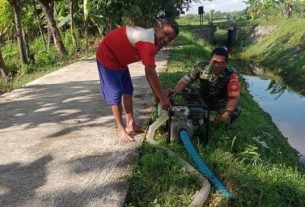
{"x": 125, "y": 45}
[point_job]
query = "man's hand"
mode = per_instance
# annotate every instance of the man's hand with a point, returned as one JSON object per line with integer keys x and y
{"x": 165, "y": 103}
{"x": 225, "y": 117}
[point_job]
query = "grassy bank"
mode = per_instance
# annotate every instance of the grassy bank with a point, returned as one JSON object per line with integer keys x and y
{"x": 282, "y": 51}
{"x": 256, "y": 175}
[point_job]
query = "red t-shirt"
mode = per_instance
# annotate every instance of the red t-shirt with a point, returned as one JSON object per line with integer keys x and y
{"x": 127, "y": 45}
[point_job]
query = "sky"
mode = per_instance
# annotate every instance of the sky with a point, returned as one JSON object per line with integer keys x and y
{"x": 218, "y": 5}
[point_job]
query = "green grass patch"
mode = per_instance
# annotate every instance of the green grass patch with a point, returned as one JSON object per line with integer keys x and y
{"x": 162, "y": 183}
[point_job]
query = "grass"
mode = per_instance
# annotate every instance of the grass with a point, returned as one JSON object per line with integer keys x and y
{"x": 255, "y": 175}
{"x": 282, "y": 52}
{"x": 174, "y": 186}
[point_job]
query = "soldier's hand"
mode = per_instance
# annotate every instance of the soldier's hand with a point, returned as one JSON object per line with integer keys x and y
{"x": 225, "y": 117}
{"x": 170, "y": 92}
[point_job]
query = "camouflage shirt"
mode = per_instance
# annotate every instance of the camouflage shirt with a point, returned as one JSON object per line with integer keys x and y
{"x": 214, "y": 90}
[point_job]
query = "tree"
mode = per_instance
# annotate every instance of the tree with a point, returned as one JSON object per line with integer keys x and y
{"x": 72, "y": 26}
{"x": 302, "y": 7}
{"x": 267, "y": 7}
{"x": 253, "y": 8}
{"x": 109, "y": 14}
{"x": 288, "y": 8}
{"x": 48, "y": 11}
{"x": 50, "y": 36}
{"x": 87, "y": 4}
{"x": 19, "y": 32}
{"x": 148, "y": 10}
{"x": 39, "y": 25}
{"x": 3, "y": 70}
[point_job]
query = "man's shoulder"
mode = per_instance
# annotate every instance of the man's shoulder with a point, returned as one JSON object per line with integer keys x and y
{"x": 232, "y": 74}
{"x": 201, "y": 65}
{"x": 138, "y": 34}
{"x": 118, "y": 30}
{"x": 231, "y": 69}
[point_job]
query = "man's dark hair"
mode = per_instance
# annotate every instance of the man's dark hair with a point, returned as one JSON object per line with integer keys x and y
{"x": 220, "y": 51}
{"x": 170, "y": 22}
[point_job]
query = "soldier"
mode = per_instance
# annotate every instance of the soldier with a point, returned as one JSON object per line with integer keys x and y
{"x": 219, "y": 85}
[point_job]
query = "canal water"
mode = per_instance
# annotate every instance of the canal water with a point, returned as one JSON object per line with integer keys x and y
{"x": 286, "y": 107}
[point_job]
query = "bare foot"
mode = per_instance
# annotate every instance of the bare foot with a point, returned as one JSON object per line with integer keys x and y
{"x": 124, "y": 137}
{"x": 134, "y": 128}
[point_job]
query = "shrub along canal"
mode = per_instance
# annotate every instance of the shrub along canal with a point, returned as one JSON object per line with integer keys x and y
{"x": 286, "y": 107}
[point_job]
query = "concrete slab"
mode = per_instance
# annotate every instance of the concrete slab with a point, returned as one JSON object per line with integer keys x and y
{"x": 58, "y": 143}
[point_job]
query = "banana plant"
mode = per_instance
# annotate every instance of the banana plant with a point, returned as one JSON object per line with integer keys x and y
{"x": 267, "y": 8}
{"x": 253, "y": 9}
{"x": 287, "y": 7}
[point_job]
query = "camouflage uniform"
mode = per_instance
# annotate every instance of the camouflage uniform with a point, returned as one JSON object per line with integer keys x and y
{"x": 214, "y": 91}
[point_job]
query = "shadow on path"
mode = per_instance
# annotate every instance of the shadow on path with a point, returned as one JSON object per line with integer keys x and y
{"x": 20, "y": 181}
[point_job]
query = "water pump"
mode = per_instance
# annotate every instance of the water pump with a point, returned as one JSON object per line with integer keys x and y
{"x": 188, "y": 112}
{"x": 188, "y": 115}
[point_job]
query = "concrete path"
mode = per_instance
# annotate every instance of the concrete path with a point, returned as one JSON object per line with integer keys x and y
{"x": 58, "y": 143}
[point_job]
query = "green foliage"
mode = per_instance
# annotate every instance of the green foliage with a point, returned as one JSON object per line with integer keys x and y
{"x": 6, "y": 23}
{"x": 260, "y": 184}
{"x": 11, "y": 57}
{"x": 30, "y": 27}
{"x": 274, "y": 8}
{"x": 189, "y": 19}
{"x": 67, "y": 40}
{"x": 112, "y": 13}
{"x": 44, "y": 59}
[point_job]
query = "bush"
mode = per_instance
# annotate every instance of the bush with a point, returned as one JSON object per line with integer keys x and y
{"x": 44, "y": 58}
